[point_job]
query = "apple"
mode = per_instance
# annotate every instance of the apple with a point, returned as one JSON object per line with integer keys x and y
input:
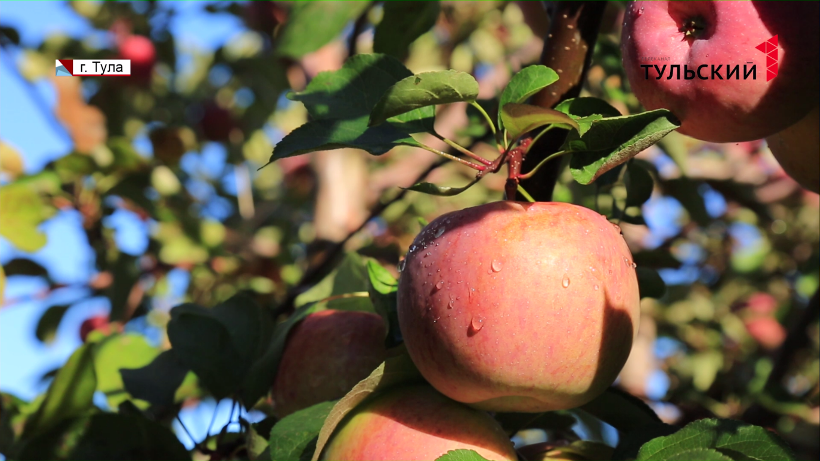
{"x": 724, "y": 33}
{"x": 767, "y": 331}
{"x": 217, "y": 122}
{"x": 142, "y": 54}
{"x": 416, "y": 423}
{"x": 325, "y": 355}
{"x": 98, "y": 322}
{"x": 524, "y": 307}
{"x": 797, "y": 149}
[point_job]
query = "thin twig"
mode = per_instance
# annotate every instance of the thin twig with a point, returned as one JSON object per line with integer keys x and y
{"x": 487, "y": 117}
{"x": 468, "y": 163}
{"x": 464, "y": 150}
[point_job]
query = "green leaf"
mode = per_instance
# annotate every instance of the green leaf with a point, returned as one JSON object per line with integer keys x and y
{"x": 461, "y": 455}
{"x": 522, "y": 118}
{"x": 49, "y": 323}
{"x": 350, "y": 276}
{"x": 204, "y": 345}
{"x": 256, "y": 439}
{"x": 69, "y": 395}
{"x": 338, "y": 134}
{"x": 291, "y": 437}
{"x": 402, "y": 23}
{"x": 612, "y": 141}
{"x": 621, "y": 410}
{"x": 156, "y": 382}
{"x": 120, "y": 351}
{"x": 650, "y": 284}
{"x": 700, "y": 454}
{"x": 393, "y": 372}
{"x": 243, "y": 319}
{"x": 383, "y": 290}
{"x": 353, "y": 90}
{"x": 311, "y": 25}
{"x": 734, "y": 439}
{"x": 423, "y": 90}
{"x": 631, "y": 441}
{"x": 116, "y": 436}
{"x": 443, "y": 191}
{"x": 132, "y": 187}
{"x": 527, "y": 82}
{"x": 126, "y": 274}
{"x": 23, "y": 210}
{"x": 686, "y": 192}
{"x": 639, "y": 185}
{"x": 55, "y": 443}
{"x": 586, "y": 111}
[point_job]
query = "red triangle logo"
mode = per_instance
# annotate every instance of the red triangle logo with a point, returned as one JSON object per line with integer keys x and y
{"x": 770, "y": 61}
{"x": 773, "y": 41}
{"x": 764, "y": 47}
{"x": 773, "y": 54}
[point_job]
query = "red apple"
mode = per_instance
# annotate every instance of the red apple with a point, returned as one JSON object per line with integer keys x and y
{"x": 217, "y": 122}
{"x": 797, "y": 149}
{"x": 98, "y": 322}
{"x": 724, "y": 33}
{"x": 767, "y": 331}
{"x": 327, "y": 354}
{"x": 142, "y": 54}
{"x": 525, "y": 307}
{"x": 416, "y": 423}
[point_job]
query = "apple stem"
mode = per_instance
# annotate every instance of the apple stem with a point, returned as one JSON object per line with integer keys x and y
{"x": 514, "y": 159}
{"x": 464, "y": 150}
{"x": 472, "y": 165}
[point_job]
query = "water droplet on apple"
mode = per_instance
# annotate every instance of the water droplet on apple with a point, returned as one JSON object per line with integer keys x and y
{"x": 440, "y": 285}
{"x": 477, "y": 323}
{"x": 439, "y": 231}
{"x": 451, "y": 303}
{"x": 496, "y": 265}
{"x": 634, "y": 265}
{"x": 412, "y": 248}
{"x": 565, "y": 282}
{"x": 402, "y": 263}
{"x": 596, "y": 287}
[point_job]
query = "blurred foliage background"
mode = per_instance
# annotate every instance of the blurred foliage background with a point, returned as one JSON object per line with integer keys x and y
{"x": 165, "y": 196}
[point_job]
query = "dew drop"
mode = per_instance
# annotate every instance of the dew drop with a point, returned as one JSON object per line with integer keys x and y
{"x": 412, "y": 248}
{"x": 440, "y": 285}
{"x": 451, "y": 303}
{"x": 496, "y": 265}
{"x": 596, "y": 287}
{"x": 402, "y": 263}
{"x": 617, "y": 227}
{"x": 477, "y": 323}
{"x": 634, "y": 265}
{"x": 439, "y": 231}
{"x": 565, "y": 282}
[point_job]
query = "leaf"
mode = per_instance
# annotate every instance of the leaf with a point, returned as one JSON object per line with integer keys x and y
{"x": 650, "y": 284}
{"x": 49, "y": 323}
{"x": 522, "y": 118}
{"x": 700, "y": 454}
{"x": 527, "y": 82}
{"x": 132, "y": 187}
{"x": 352, "y": 91}
{"x": 612, "y": 141}
{"x": 631, "y": 441}
{"x": 621, "y": 410}
{"x": 686, "y": 192}
{"x": 402, "y": 23}
{"x": 734, "y": 439}
{"x": 126, "y": 274}
{"x": 338, "y": 134}
{"x": 23, "y": 210}
{"x": 422, "y": 90}
{"x": 461, "y": 455}
{"x": 128, "y": 350}
{"x": 383, "y": 289}
{"x": 24, "y": 266}
{"x": 639, "y": 185}
{"x": 443, "y": 191}
{"x": 586, "y": 111}
{"x": 294, "y": 433}
{"x": 156, "y": 382}
{"x": 394, "y": 371}
{"x": 581, "y": 450}
{"x": 54, "y": 443}
{"x": 311, "y": 25}
{"x": 69, "y": 395}
{"x": 350, "y": 276}
{"x": 117, "y": 436}
{"x": 204, "y": 345}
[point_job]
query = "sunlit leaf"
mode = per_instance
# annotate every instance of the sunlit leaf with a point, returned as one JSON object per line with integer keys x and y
{"x": 527, "y": 82}
{"x": 444, "y": 191}
{"x": 423, "y": 90}
{"x": 522, "y": 118}
{"x": 403, "y": 22}
{"x": 294, "y": 436}
{"x": 311, "y": 25}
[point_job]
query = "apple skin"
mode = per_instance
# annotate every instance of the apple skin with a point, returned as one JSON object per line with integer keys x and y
{"x": 326, "y": 354}
{"x": 523, "y": 307}
{"x": 98, "y": 322}
{"x": 725, "y": 110}
{"x": 416, "y": 423}
{"x": 216, "y": 123}
{"x": 140, "y": 50}
{"x": 797, "y": 149}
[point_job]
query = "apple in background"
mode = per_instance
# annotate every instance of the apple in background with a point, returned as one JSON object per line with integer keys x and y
{"x": 416, "y": 423}
{"x": 767, "y": 331}
{"x": 724, "y": 33}
{"x": 797, "y": 149}
{"x": 143, "y": 56}
{"x": 98, "y": 322}
{"x": 217, "y": 122}
{"x": 326, "y": 354}
{"x": 523, "y": 307}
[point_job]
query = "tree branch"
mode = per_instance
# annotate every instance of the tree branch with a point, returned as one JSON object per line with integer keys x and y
{"x": 568, "y": 49}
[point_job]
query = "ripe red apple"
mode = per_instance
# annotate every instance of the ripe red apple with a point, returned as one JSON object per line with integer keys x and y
{"x": 797, "y": 149}
{"x": 524, "y": 307}
{"x": 217, "y": 122}
{"x": 767, "y": 331}
{"x": 98, "y": 322}
{"x": 327, "y": 354}
{"x": 724, "y": 33}
{"x": 142, "y": 54}
{"x": 416, "y": 423}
